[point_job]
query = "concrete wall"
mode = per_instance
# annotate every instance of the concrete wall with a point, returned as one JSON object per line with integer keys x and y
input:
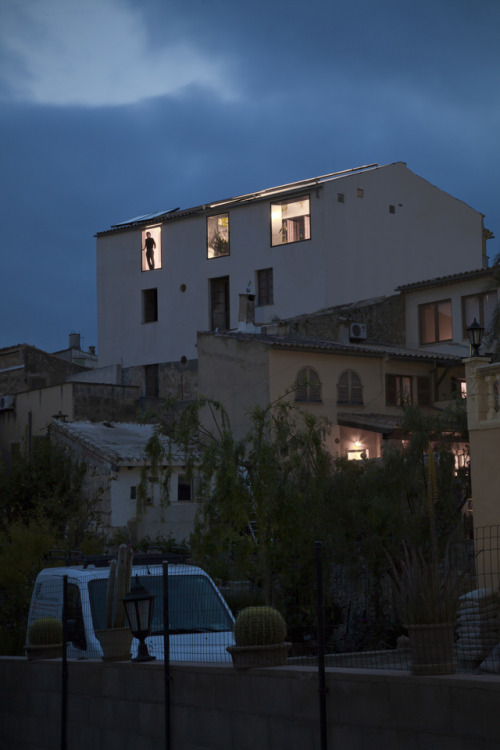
{"x": 121, "y": 707}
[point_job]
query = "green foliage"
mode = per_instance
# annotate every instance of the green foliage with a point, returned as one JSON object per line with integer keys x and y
{"x": 44, "y": 631}
{"x": 42, "y": 507}
{"x": 264, "y": 499}
{"x": 428, "y": 588}
{"x": 259, "y": 626}
{"x": 260, "y": 499}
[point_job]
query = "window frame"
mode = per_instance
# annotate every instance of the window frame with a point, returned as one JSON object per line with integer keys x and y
{"x": 186, "y": 483}
{"x": 308, "y": 386}
{"x": 150, "y": 306}
{"x": 151, "y": 380}
{"x": 213, "y": 253}
{"x": 349, "y": 387}
{"x": 277, "y": 220}
{"x": 397, "y": 388}
{"x": 435, "y": 308}
{"x": 153, "y": 262}
{"x": 482, "y": 318}
{"x": 266, "y": 298}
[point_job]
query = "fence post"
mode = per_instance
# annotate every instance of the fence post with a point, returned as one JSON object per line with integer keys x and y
{"x": 64, "y": 674}
{"x": 166, "y": 656}
{"x": 320, "y": 611}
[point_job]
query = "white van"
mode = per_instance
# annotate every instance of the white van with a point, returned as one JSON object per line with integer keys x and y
{"x": 201, "y": 623}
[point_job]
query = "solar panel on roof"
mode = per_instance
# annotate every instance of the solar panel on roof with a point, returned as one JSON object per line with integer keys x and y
{"x": 144, "y": 217}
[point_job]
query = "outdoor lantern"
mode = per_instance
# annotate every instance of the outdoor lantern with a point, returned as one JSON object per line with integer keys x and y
{"x": 475, "y": 333}
{"x": 138, "y": 605}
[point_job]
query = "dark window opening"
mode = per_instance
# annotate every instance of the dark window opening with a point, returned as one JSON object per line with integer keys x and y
{"x": 265, "y": 288}
{"x": 149, "y": 305}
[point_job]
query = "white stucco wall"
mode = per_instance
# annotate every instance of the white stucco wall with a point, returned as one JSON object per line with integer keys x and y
{"x": 357, "y": 249}
{"x": 175, "y": 519}
{"x": 454, "y": 291}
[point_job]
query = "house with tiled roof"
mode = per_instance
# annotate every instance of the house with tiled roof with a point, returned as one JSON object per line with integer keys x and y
{"x": 114, "y": 454}
{"x": 361, "y": 388}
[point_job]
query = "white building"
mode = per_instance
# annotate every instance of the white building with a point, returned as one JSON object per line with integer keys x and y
{"x": 115, "y": 453}
{"x": 439, "y": 311}
{"x": 299, "y": 247}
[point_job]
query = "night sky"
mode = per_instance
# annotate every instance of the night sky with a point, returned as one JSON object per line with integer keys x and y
{"x": 114, "y": 108}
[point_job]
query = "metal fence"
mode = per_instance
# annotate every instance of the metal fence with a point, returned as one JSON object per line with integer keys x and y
{"x": 336, "y": 616}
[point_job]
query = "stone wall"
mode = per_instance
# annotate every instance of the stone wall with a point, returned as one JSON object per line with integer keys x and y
{"x": 120, "y": 706}
{"x": 25, "y": 368}
{"x": 384, "y": 318}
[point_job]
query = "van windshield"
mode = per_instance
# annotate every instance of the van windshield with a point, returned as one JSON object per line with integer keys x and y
{"x": 195, "y": 605}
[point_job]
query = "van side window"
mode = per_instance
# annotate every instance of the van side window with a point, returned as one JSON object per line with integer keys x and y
{"x": 75, "y": 615}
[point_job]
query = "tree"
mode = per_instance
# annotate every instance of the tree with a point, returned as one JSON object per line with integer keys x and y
{"x": 261, "y": 498}
{"x": 42, "y": 507}
{"x": 265, "y": 499}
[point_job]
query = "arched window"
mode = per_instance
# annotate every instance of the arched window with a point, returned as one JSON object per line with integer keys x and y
{"x": 308, "y": 385}
{"x": 349, "y": 388}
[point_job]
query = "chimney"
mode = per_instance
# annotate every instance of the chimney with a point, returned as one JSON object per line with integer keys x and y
{"x": 74, "y": 340}
{"x": 247, "y": 310}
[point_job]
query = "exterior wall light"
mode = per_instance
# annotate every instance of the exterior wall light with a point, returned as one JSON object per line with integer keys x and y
{"x": 138, "y": 605}
{"x": 475, "y": 333}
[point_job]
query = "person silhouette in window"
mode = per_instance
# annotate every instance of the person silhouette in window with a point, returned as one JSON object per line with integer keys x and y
{"x": 149, "y": 247}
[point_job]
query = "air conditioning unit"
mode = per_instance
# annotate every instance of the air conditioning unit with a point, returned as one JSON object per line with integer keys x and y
{"x": 357, "y": 332}
{"x": 7, "y": 402}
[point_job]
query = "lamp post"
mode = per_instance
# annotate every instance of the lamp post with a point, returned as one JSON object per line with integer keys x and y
{"x": 138, "y": 605}
{"x": 475, "y": 333}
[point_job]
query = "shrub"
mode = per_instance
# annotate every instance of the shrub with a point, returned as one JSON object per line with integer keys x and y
{"x": 46, "y": 630}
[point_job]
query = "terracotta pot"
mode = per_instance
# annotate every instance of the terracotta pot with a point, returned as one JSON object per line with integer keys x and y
{"x": 246, "y": 657}
{"x": 432, "y": 648}
{"x": 44, "y": 651}
{"x": 116, "y": 643}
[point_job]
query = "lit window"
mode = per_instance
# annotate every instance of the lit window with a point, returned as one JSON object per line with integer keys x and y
{"x": 151, "y": 249}
{"x": 398, "y": 390}
{"x": 290, "y": 222}
{"x": 435, "y": 322}
{"x": 217, "y": 235}
{"x": 349, "y": 388}
{"x": 265, "y": 287}
{"x": 149, "y": 305}
{"x": 307, "y": 385}
{"x": 479, "y": 306}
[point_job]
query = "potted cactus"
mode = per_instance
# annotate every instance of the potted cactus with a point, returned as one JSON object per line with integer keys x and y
{"x": 44, "y": 639}
{"x": 259, "y": 635}
{"x": 116, "y": 638}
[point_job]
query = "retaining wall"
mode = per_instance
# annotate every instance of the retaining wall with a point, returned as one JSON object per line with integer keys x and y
{"x": 120, "y": 707}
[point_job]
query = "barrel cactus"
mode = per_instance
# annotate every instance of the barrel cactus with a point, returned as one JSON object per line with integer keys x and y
{"x": 45, "y": 631}
{"x": 259, "y": 626}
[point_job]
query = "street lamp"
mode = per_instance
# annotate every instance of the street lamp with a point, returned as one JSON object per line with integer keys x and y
{"x": 475, "y": 333}
{"x": 138, "y": 605}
